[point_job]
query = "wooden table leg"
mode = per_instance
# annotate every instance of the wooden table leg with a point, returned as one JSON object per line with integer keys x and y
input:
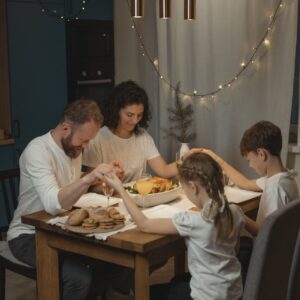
{"x": 47, "y": 268}
{"x": 179, "y": 263}
{"x": 142, "y": 278}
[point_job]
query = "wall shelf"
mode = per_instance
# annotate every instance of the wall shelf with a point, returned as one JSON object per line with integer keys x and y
{"x": 7, "y": 142}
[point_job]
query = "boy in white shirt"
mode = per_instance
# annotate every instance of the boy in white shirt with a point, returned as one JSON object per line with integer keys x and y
{"x": 261, "y": 145}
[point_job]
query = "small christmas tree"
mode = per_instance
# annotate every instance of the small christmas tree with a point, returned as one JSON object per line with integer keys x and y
{"x": 181, "y": 119}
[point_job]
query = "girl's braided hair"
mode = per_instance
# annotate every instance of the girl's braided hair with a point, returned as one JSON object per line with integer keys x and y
{"x": 202, "y": 169}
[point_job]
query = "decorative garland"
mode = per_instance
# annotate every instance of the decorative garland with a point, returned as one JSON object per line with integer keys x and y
{"x": 74, "y": 16}
{"x": 264, "y": 41}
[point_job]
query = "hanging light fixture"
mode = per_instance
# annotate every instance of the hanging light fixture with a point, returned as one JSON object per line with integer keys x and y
{"x": 165, "y": 9}
{"x": 137, "y": 8}
{"x": 189, "y": 9}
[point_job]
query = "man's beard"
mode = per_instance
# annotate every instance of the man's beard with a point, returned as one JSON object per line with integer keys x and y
{"x": 69, "y": 149}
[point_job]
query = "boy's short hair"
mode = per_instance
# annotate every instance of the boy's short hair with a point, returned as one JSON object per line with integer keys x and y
{"x": 263, "y": 134}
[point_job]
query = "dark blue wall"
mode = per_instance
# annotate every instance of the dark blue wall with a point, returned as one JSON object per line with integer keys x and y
{"x": 37, "y": 61}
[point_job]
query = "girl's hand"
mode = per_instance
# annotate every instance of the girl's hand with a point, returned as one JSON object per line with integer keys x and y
{"x": 100, "y": 171}
{"x": 118, "y": 168}
{"x": 113, "y": 180}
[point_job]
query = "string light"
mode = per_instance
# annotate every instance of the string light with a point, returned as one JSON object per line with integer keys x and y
{"x": 68, "y": 17}
{"x": 226, "y": 84}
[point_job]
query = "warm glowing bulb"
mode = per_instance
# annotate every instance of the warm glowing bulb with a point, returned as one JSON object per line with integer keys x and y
{"x": 243, "y": 64}
{"x": 235, "y": 78}
{"x": 229, "y": 85}
{"x": 161, "y": 77}
{"x": 266, "y": 42}
{"x": 202, "y": 102}
{"x": 252, "y": 61}
{"x": 220, "y": 86}
{"x": 155, "y": 62}
{"x": 195, "y": 92}
{"x": 132, "y": 26}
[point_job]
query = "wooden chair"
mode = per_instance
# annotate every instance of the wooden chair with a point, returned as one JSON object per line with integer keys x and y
{"x": 9, "y": 184}
{"x": 271, "y": 260}
{"x": 294, "y": 286}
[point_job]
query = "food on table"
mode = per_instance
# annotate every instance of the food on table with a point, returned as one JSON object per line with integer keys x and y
{"x": 90, "y": 223}
{"x": 77, "y": 216}
{"x": 93, "y": 218}
{"x": 157, "y": 184}
{"x": 144, "y": 187}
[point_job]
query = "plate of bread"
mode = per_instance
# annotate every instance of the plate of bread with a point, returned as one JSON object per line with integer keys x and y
{"x": 95, "y": 220}
{"x": 162, "y": 191}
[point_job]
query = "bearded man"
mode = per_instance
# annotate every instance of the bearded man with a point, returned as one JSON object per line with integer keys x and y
{"x": 50, "y": 180}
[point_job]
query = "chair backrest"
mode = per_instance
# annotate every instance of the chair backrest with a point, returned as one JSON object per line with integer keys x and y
{"x": 270, "y": 264}
{"x": 294, "y": 286}
{"x": 9, "y": 187}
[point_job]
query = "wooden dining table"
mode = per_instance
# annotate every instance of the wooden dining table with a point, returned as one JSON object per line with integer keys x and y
{"x": 133, "y": 249}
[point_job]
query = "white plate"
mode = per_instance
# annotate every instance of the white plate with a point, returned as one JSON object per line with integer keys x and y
{"x": 155, "y": 198}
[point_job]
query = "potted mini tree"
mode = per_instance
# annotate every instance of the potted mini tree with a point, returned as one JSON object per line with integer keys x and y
{"x": 181, "y": 119}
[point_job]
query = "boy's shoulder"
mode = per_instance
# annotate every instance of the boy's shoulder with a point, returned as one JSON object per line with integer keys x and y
{"x": 284, "y": 182}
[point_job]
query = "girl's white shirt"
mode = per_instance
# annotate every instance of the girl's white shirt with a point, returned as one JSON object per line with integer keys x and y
{"x": 215, "y": 269}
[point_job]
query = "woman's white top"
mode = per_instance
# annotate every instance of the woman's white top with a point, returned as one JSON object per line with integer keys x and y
{"x": 133, "y": 152}
{"x": 215, "y": 269}
{"x": 278, "y": 190}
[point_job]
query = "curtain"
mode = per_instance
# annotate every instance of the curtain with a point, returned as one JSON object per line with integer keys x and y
{"x": 205, "y": 53}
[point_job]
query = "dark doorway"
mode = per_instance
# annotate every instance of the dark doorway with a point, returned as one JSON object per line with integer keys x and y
{"x": 90, "y": 59}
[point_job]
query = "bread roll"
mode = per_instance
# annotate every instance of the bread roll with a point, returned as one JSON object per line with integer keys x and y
{"x": 77, "y": 217}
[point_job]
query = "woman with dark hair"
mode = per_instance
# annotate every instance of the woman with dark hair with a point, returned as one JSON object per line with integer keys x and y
{"x": 124, "y": 136}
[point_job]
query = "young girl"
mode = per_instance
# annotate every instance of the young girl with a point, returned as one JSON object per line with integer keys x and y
{"x": 211, "y": 234}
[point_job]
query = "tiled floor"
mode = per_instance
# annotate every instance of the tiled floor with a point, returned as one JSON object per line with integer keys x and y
{"x": 22, "y": 288}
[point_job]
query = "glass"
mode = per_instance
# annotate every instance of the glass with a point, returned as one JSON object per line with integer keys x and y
{"x": 107, "y": 191}
{"x": 144, "y": 186}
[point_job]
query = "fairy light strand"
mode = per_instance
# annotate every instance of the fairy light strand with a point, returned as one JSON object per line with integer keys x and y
{"x": 228, "y": 84}
{"x": 73, "y": 16}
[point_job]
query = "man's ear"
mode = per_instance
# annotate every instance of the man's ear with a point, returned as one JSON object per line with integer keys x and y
{"x": 262, "y": 154}
{"x": 66, "y": 128}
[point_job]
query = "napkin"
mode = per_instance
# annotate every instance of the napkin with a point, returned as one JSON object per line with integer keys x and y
{"x": 237, "y": 195}
{"x": 94, "y": 200}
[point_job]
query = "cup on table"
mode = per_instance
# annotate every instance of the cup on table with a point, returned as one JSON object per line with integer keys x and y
{"x": 144, "y": 186}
